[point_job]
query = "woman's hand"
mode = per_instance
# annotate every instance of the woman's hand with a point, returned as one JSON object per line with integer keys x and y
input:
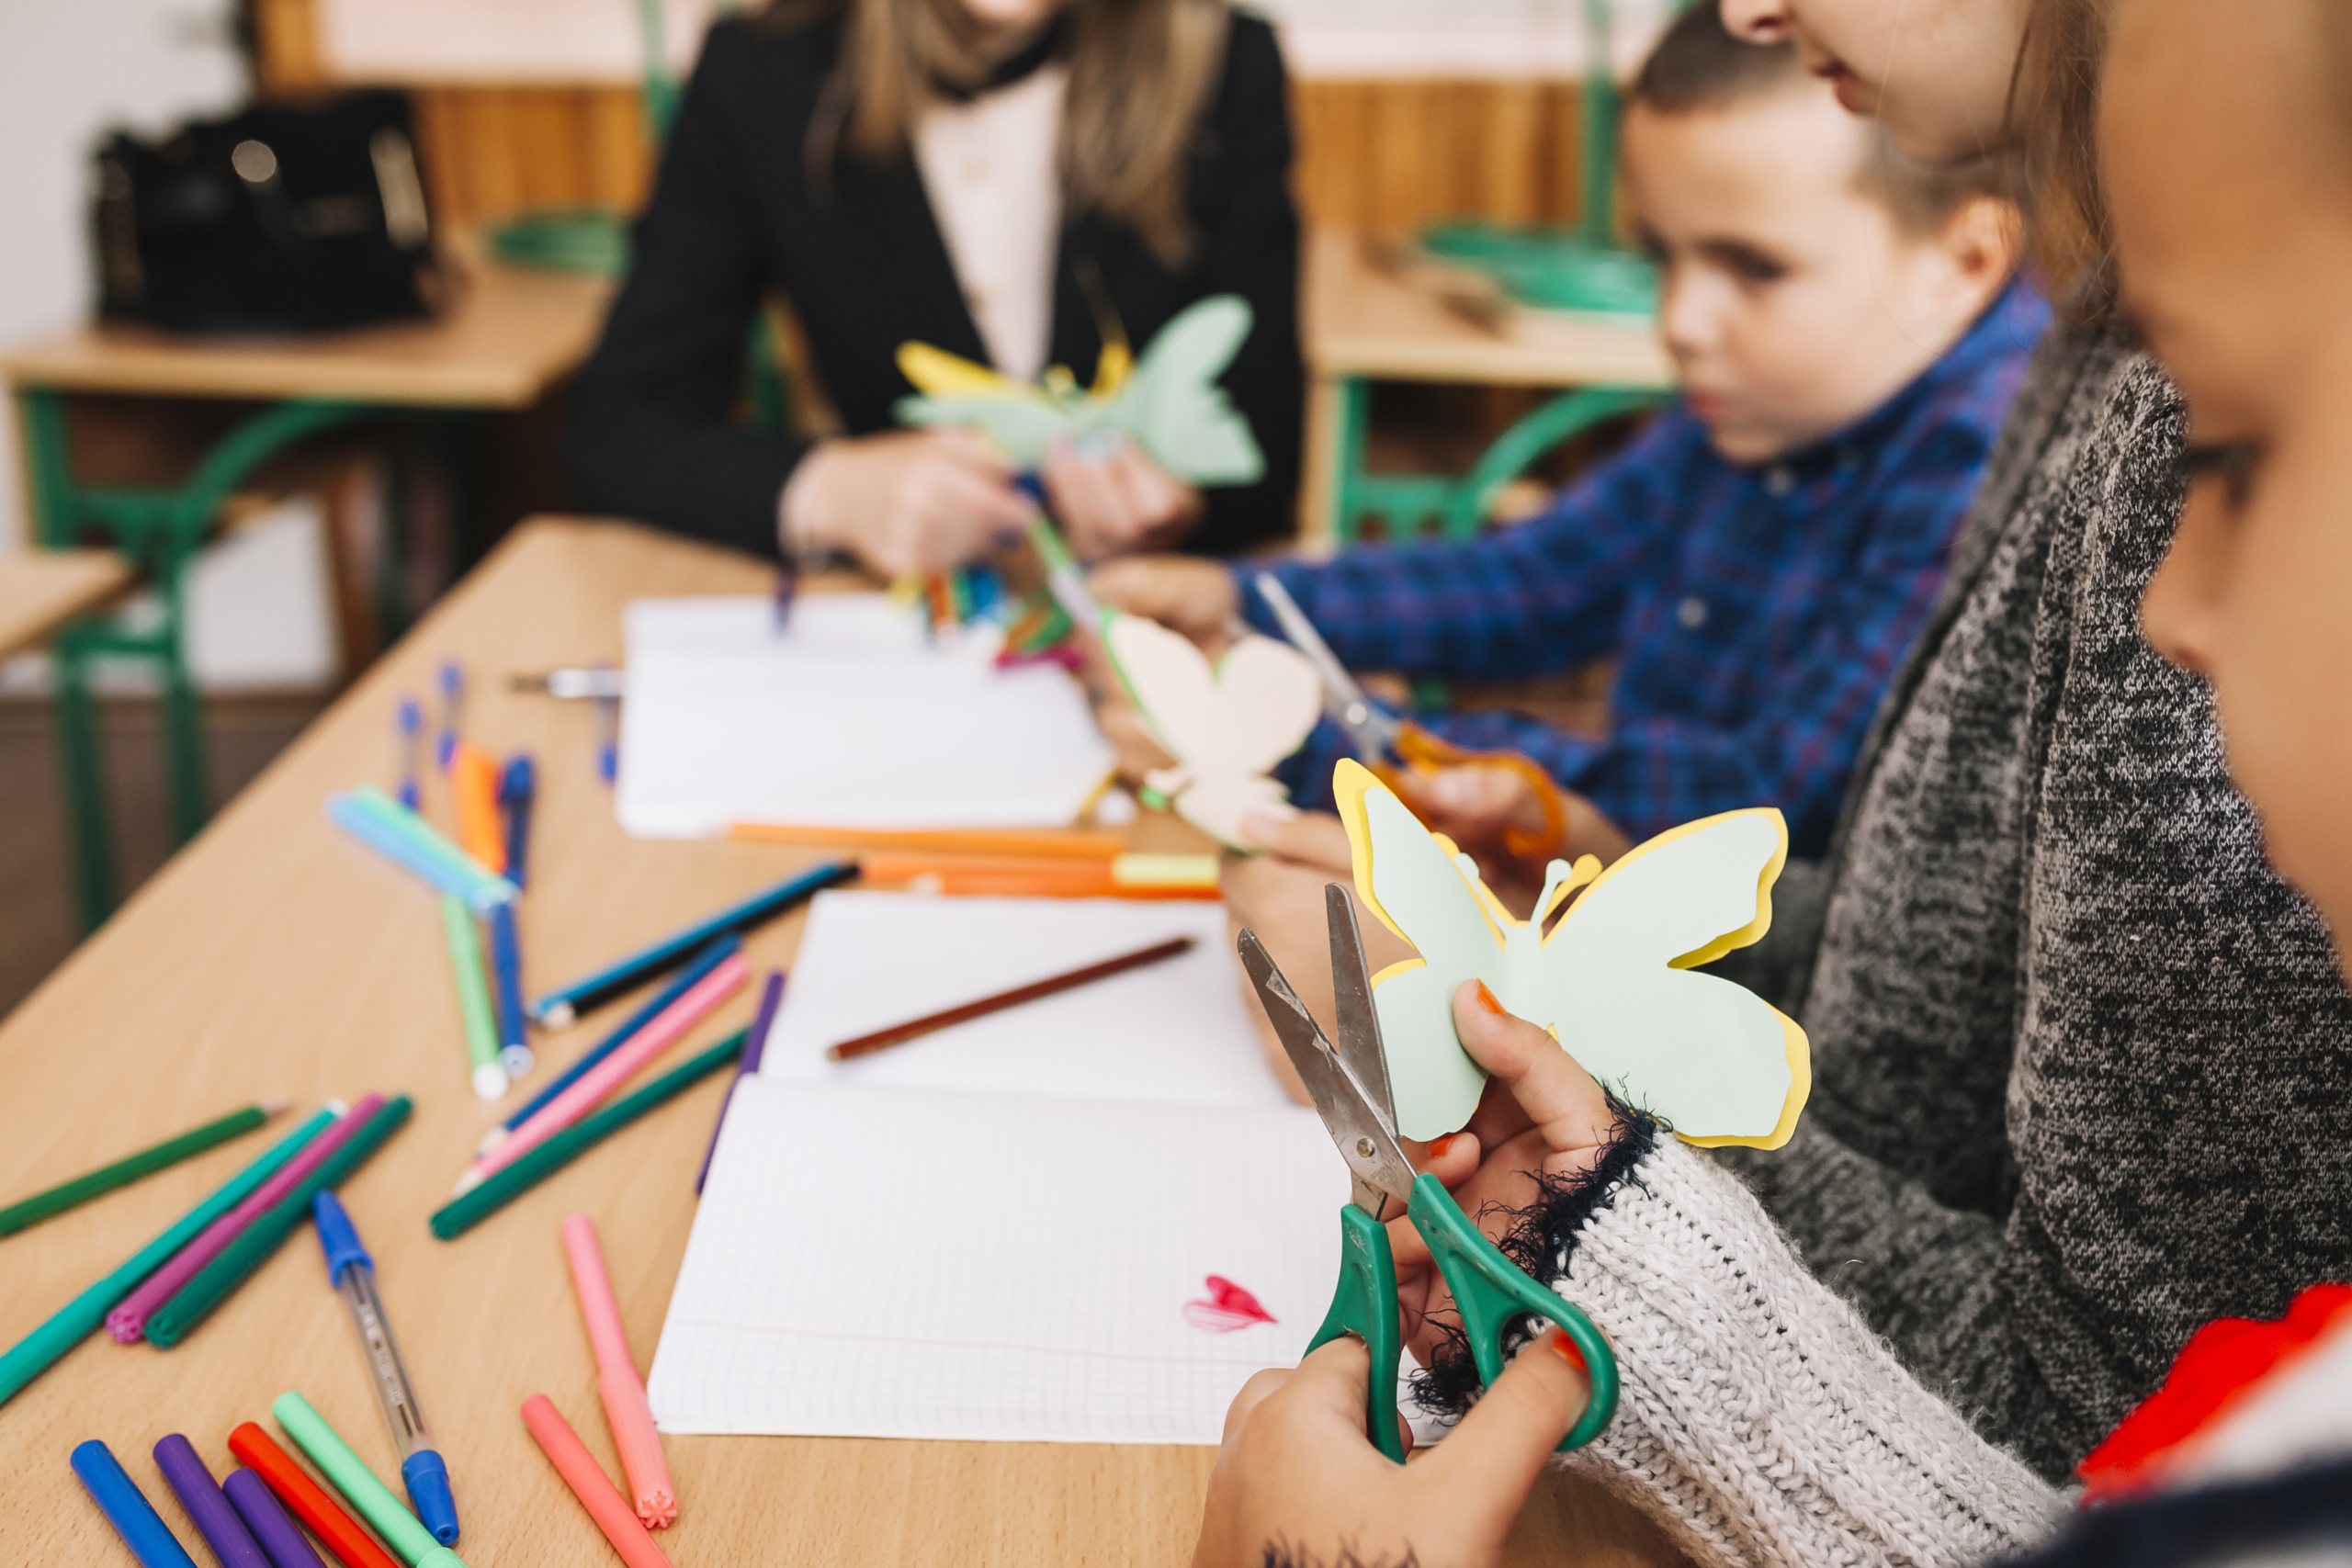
{"x": 1477, "y": 803}
{"x": 1540, "y": 1112}
{"x": 1197, "y": 598}
{"x": 1297, "y": 1475}
{"x": 1118, "y": 502}
{"x": 905, "y": 501}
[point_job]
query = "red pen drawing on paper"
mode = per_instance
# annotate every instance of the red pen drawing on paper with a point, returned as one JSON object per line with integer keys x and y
{"x": 1227, "y": 1307}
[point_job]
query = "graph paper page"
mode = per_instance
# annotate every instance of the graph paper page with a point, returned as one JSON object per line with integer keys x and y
{"x": 848, "y": 718}
{"x": 888, "y": 1263}
{"x": 1178, "y": 1030}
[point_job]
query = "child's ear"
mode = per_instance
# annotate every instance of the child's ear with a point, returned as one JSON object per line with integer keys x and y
{"x": 1984, "y": 241}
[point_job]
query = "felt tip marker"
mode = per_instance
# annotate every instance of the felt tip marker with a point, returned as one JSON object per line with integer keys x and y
{"x": 353, "y": 1273}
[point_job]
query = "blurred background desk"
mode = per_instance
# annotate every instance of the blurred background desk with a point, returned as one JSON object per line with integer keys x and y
{"x": 272, "y": 957}
{"x": 504, "y": 339}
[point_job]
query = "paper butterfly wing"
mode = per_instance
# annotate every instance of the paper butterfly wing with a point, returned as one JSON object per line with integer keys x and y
{"x": 1714, "y": 1060}
{"x": 1172, "y": 406}
{"x": 1225, "y": 726}
{"x": 1415, "y": 884}
{"x": 1022, "y": 426}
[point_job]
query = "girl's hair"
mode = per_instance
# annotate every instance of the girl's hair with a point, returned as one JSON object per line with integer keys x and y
{"x": 2052, "y": 134}
{"x": 1140, "y": 71}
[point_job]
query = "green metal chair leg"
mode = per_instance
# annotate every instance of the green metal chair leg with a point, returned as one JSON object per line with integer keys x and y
{"x": 84, "y": 766}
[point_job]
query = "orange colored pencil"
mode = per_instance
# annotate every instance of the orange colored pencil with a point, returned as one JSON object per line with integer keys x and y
{"x": 1053, "y": 844}
{"x": 1020, "y": 877}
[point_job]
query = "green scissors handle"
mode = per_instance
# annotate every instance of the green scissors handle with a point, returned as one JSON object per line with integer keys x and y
{"x": 1489, "y": 1291}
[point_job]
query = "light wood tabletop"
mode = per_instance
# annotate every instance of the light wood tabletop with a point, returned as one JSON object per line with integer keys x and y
{"x": 272, "y": 957}
{"x": 42, "y": 590}
{"x": 1364, "y": 318}
{"x": 506, "y": 335}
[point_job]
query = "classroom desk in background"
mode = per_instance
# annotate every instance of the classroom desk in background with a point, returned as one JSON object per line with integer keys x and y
{"x": 273, "y": 957}
{"x": 42, "y": 590}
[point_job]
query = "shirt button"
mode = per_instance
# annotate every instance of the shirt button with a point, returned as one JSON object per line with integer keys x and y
{"x": 1779, "y": 480}
{"x": 1691, "y": 613}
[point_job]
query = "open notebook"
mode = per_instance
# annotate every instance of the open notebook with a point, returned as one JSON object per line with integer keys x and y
{"x": 896, "y": 1263}
{"x": 1175, "y": 1031}
{"x": 849, "y": 717}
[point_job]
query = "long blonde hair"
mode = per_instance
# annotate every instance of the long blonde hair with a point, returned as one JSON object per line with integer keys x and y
{"x": 1140, "y": 71}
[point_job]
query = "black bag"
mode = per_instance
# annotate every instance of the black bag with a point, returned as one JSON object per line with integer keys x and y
{"x": 283, "y": 218}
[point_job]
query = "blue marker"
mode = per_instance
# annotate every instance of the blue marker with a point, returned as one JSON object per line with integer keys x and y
{"x": 516, "y": 786}
{"x": 411, "y": 729}
{"x": 126, "y": 1507}
{"x": 353, "y": 1273}
{"x": 608, "y": 738}
{"x": 506, "y": 985}
{"x": 453, "y": 691}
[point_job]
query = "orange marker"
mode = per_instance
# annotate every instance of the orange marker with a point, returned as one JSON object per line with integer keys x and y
{"x": 473, "y": 782}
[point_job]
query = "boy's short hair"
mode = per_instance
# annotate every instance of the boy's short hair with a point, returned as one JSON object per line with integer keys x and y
{"x": 1699, "y": 68}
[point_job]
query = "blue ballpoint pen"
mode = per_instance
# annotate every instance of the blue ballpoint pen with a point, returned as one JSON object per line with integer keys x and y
{"x": 353, "y": 1274}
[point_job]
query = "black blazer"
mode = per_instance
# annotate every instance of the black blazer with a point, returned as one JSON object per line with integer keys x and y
{"x": 733, "y": 215}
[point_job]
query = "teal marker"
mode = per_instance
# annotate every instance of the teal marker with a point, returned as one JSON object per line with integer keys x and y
{"x": 350, "y": 1476}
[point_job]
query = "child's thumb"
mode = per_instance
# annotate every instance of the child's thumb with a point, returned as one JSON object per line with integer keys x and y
{"x": 1493, "y": 1457}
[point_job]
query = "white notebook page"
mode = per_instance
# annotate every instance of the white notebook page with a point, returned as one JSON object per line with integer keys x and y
{"x": 895, "y": 1264}
{"x": 849, "y": 717}
{"x": 1178, "y": 1031}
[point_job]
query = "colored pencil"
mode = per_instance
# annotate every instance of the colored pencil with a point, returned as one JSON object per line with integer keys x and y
{"x": 460, "y": 1215}
{"x": 899, "y": 1033}
{"x": 66, "y": 1195}
{"x": 559, "y": 1008}
{"x": 762, "y": 1022}
{"x": 507, "y": 984}
{"x": 619, "y": 1385}
{"x": 1036, "y": 876}
{"x": 307, "y": 1500}
{"x": 128, "y": 1322}
{"x": 608, "y": 1075}
{"x": 191, "y": 1481}
{"x": 588, "y": 1483}
{"x": 714, "y": 952}
{"x": 489, "y": 1080}
{"x": 281, "y": 1539}
{"x": 1058, "y": 843}
{"x": 178, "y": 1317}
{"x": 127, "y": 1509}
{"x": 83, "y": 1316}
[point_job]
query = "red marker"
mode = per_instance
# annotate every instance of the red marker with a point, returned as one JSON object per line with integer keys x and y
{"x": 307, "y": 1500}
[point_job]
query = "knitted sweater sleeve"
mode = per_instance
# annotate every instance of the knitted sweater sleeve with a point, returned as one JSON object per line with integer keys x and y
{"x": 1760, "y": 1420}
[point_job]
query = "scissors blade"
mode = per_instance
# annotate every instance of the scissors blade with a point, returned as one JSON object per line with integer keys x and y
{"x": 1379, "y": 1166}
{"x": 1373, "y": 732}
{"x": 1358, "y": 1048}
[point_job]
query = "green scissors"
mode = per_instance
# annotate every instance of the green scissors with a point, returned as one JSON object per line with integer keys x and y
{"x": 1350, "y": 1086}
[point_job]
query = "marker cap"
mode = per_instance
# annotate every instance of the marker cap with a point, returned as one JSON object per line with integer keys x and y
{"x": 338, "y": 1237}
{"x": 429, "y": 1492}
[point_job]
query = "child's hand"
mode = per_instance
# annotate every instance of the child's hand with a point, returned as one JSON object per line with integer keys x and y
{"x": 1540, "y": 1112}
{"x": 1475, "y": 803}
{"x": 904, "y": 501}
{"x": 1198, "y": 598}
{"x": 1295, "y": 1474}
{"x": 1118, "y": 502}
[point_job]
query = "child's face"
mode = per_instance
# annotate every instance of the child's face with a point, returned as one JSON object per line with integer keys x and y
{"x": 2230, "y": 191}
{"x": 1791, "y": 305}
{"x": 1937, "y": 72}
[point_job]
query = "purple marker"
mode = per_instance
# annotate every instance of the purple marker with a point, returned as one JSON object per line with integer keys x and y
{"x": 755, "y": 1045}
{"x": 410, "y": 724}
{"x": 453, "y": 691}
{"x": 215, "y": 1520}
{"x": 281, "y": 1538}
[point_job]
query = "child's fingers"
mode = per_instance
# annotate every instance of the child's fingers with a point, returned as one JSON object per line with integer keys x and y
{"x": 1558, "y": 1097}
{"x": 1489, "y": 1461}
{"x": 1311, "y": 838}
{"x": 1323, "y": 1401}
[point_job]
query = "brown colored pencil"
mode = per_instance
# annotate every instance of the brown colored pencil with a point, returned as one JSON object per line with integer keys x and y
{"x": 897, "y": 1034}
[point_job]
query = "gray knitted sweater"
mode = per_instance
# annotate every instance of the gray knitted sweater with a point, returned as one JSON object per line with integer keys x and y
{"x": 2082, "y": 1066}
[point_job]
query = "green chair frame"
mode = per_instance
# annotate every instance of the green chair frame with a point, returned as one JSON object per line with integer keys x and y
{"x": 160, "y": 530}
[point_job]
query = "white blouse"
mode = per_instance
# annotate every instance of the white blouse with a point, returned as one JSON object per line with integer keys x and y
{"x": 988, "y": 169}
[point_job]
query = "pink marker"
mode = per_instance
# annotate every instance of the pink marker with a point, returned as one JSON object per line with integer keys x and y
{"x": 128, "y": 1323}
{"x": 617, "y": 1384}
{"x": 662, "y": 1030}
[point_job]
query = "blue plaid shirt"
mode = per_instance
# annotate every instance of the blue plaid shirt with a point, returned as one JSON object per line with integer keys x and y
{"x": 1757, "y": 614}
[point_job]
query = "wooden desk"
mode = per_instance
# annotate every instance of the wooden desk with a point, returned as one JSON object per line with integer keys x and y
{"x": 507, "y": 336}
{"x": 1363, "y": 323}
{"x": 272, "y": 957}
{"x": 42, "y": 590}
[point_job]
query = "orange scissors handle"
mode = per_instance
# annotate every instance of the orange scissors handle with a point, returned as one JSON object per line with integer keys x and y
{"x": 1424, "y": 752}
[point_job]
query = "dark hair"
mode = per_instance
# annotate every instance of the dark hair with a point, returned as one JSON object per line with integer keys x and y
{"x": 2052, "y": 134}
{"x": 1699, "y": 68}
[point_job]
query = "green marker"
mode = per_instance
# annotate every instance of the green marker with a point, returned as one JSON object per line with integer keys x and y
{"x": 384, "y": 1512}
{"x": 473, "y": 997}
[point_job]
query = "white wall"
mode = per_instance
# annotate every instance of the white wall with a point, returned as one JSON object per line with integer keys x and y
{"x": 68, "y": 70}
